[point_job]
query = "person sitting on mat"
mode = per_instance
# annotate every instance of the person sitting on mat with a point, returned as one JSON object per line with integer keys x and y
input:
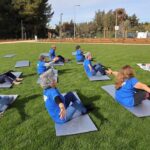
{"x": 43, "y": 65}
{"x": 10, "y": 77}
{"x": 57, "y": 105}
{"x": 91, "y": 70}
{"x": 129, "y": 91}
{"x": 79, "y": 54}
{"x": 55, "y": 58}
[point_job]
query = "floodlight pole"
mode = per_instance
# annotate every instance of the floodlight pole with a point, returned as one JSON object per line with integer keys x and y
{"x": 75, "y": 20}
{"x": 116, "y": 25}
{"x": 21, "y": 29}
{"x": 60, "y": 26}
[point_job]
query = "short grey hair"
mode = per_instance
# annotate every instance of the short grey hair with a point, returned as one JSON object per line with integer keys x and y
{"x": 46, "y": 78}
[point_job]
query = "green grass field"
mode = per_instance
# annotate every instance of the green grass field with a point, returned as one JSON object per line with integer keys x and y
{"x": 26, "y": 124}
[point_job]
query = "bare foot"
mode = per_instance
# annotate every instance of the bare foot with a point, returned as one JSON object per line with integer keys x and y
{"x": 16, "y": 83}
{"x": 19, "y": 79}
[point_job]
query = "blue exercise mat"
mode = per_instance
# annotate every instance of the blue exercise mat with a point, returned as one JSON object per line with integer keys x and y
{"x": 23, "y": 63}
{"x": 79, "y": 124}
{"x": 141, "y": 110}
{"x": 6, "y": 101}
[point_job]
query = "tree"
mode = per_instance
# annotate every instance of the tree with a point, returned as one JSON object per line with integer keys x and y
{"x": 33, "y": 14}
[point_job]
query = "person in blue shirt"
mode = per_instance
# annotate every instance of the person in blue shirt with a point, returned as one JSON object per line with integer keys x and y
{"x": 55, "y": 58}
{"x": 129, "y": 91}
{"x": 42, "y": 65}
{"x": 79, "y": 54}
{"x": 91, "y": 70}
{"x": 60, "y": 108}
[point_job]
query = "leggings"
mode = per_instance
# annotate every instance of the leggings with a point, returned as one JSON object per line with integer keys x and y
{"x": 139, "y": 96}
{"x": 8, "y": 77}
{"x": 61, "y": 58}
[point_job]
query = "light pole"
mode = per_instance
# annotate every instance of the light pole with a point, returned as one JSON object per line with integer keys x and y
{"x": 22, "y": 30}
{"x": 75, "y": 20}
{"x": 60, "y": 26}
{"x": 116, "y": 27}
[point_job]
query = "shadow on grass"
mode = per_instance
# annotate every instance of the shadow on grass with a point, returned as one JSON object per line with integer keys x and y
{"x": 28, "y": 75}
{"x": 65, "y": 71}
{"x": 88, "y": 101}
{"x": 20, "y": 105}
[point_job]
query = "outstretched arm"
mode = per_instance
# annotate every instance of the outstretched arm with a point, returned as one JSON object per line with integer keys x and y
{"x": 142, "y": 86}
{"x": 111, "y": 72}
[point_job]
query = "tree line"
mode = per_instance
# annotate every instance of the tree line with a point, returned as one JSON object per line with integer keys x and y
{"x": 27, "y": 18}
{"x": 24, "y": 18}
{"x": 103, "y": 25}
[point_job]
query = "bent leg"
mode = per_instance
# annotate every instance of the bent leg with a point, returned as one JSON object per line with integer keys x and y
{"x": 139, "y": 96}
{"x": 70, "y": 97}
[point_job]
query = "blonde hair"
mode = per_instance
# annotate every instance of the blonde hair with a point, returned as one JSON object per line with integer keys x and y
{"x": 126, "y": 72}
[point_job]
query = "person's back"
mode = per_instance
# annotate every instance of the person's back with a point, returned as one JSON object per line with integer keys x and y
{"x": 52, "y": 54}
{"x": 79, "y": 55}
{"x": 41, "y": 67}
{"x": 125, "y": 94}
{"x": 86, "y": 67}
{"x": 129, "y": 91}
{"x": 51, "y": 105}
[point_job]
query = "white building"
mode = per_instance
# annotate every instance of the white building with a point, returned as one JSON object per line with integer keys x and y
{"x": 142, "y": 35}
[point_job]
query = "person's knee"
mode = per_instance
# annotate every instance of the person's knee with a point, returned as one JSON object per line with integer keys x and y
{"x": 70, "y": 93}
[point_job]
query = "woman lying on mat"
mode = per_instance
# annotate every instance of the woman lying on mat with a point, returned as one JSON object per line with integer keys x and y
{"x": 57, "y": 105}
{"x": 10, "y": 77}
{"x": 129, "y": 91}
{"x": 55, "y": 58}
{"x": 79, "y": 54}
{"x": 90, "y": 69}
{"x": 43, "y": 65}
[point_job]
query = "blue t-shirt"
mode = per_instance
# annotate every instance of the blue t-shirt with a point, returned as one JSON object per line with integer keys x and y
{"x": 40, "y": 67}
{"x": 50, "y": 104}
{"x": 86, "y": 67}
{"x": 52, "y": 54}
{"x": 125, "y": 94}
{"x": 79, "y": 55}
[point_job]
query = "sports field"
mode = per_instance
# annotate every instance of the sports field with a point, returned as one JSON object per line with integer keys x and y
{"x": 26, "y": 124}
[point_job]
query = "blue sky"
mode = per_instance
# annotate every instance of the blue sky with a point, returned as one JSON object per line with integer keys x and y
{"x": 86, "y": 11}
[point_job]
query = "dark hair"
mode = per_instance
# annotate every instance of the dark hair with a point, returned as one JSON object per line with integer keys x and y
{"x": 78, "y": 46}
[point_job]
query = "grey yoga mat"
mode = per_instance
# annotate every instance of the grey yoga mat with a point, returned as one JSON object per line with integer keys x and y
{"x": 80, "y": 63}
{"x": 141, "y": 110}
{"x": 23, "y": 63}
{"x": 6, "y": 101}
{"x": 79, "y": 124}
{"x": 9, "y": 55}
{"x": 45, "y": 54}
{"x": 73, "y": 53}
{"x": 144, "y": 66}
{"x": 99, "y": 77}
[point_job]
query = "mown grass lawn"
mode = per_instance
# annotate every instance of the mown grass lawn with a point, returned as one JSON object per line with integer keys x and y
{"x": 27, "y": 125}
